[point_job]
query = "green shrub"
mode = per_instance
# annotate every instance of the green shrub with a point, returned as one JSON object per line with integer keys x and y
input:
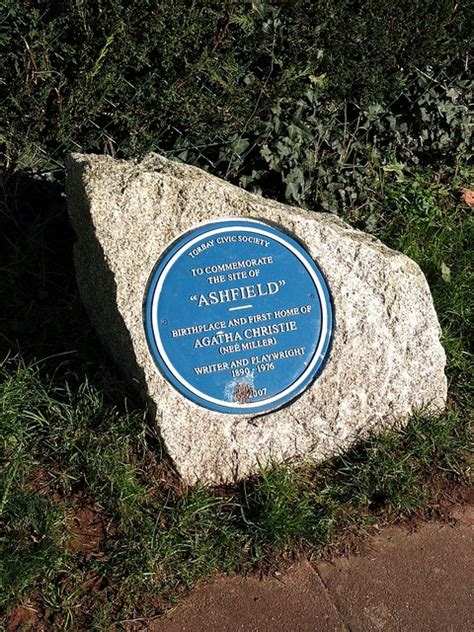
{"x": 337, "y": 160}
{"x": 121, "y": 77}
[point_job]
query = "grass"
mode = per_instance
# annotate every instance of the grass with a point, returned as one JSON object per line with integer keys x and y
{"x": 96, "y": 528}
{"x": 426, "y": 221}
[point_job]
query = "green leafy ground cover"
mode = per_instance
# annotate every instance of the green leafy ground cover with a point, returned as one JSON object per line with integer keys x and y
{"x": 308, "y": 102}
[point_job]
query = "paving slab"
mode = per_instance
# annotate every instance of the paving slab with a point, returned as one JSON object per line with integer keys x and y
{"x": 297, "y": 602}
{"x": 416, "y": 581}
{"x": 405, "y": 581}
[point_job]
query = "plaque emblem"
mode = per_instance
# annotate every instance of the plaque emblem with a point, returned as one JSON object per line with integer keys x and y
{"x": 238, "y": 317}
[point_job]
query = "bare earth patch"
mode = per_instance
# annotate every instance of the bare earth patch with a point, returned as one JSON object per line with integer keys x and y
{"x": 87, "y": 529}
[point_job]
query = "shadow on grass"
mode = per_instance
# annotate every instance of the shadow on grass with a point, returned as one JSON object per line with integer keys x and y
{"x": 40, "y": 312}
{"x": 42, "y": 318}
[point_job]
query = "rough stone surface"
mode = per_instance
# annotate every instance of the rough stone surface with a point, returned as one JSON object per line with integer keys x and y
{"x": 386, "y": 358}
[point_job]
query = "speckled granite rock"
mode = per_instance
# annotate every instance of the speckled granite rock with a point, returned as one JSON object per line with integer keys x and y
{"x": 386, "y": 358}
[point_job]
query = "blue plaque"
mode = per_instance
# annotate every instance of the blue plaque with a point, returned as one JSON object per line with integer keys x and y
{"x": 238, "y": 316}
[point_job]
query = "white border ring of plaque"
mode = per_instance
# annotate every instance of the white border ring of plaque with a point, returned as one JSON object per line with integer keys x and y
{"x": 238, "y": 316}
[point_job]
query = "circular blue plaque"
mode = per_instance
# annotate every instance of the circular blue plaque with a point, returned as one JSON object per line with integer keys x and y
{"x": 238, "y": 316}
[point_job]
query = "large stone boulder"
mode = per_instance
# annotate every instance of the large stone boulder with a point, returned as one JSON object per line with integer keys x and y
{"x": 386, "y": 359}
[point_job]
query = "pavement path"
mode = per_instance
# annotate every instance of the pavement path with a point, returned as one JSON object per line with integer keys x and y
{"x": 413, "y": 581}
